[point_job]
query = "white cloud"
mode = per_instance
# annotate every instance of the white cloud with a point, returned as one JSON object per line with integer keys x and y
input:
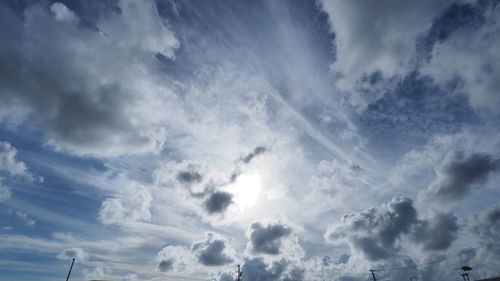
{"x": 62, "y": 13}
{"x": 14, "y": 168}
{"x": 132, "y": 205}
{"x": 79, "y": 254}
{"x": 5, "y": 192}
{"x": 472, "y": 54}
{"x": 10, "y": 164}
{"x": 373, "y": 36}
{"x": 25, "y": 218}
{"x": 175, "y": 259}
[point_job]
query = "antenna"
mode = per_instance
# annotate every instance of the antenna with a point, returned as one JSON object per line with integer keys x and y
{"x": 238, "y": 272}
{"x": 71, "y": 267}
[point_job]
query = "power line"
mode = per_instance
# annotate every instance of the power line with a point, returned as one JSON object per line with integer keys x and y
{"x": 413, "y": 266}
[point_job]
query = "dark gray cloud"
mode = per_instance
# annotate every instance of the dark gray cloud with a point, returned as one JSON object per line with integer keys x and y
{"x": 437, "y": 233}
{"x": 189, "y": 177}
{"x": 267, "y": 240}
{"x": 218, "y": 202}
{"x": 78, "y": 95}
{"x": 257, "y": 270}
{"x": 459, "y": 174}
{"x": 493, "y": 214}
{"x": 375, "y": 231}
{"x": 256, "y": 152}
{"x": 378, "y": 233}
{"x": 211, "y": 252}
{"x": 166, "y": 265}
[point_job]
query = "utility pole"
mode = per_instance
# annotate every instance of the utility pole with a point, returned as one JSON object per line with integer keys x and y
{"x": 465, "y": 273}
{"x": 71, "y": 267}
{"x": 238, "y": 272}
{"x": 373, "y": 274}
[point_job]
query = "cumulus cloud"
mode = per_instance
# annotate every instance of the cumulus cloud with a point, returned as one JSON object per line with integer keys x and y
{"x": 378, "y": 233}
{"x": 218, "y": 202}
{"x": 458, "y": 174}
{"x": 213, "y": 251}
{"x": 131, "y": 206}
{"x": 166, "y": 265}
{"x": 437, "y": 233}
{"x": 76, "y": 80}
{"x": 267, "y": 239}
{"x": 189, "y": 177}
{"x": 79, "y": 254}
{"x": 10, "y": 164}
{"x": 478, "y": 65}
{"x": 176, "y": 259}
{"x": 257, "y": 270}
{"x": 377, "y": 37}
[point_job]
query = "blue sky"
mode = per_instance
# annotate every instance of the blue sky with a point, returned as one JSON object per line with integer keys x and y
{"x": 303, "y": 140}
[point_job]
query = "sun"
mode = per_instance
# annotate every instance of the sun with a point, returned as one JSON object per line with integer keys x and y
{"x": 245, "y": 191}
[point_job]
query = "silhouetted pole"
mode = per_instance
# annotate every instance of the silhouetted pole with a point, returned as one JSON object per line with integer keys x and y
{"x": 373, "y": 274}
{"x": 238, "y": 272}
{"x": 466, "y": 270}
{"x": 70, "y": 269}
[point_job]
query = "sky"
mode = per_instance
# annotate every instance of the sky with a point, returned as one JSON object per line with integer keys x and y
{"x": 303, "y": 140}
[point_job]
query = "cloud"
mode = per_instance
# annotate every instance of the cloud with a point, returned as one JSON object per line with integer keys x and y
{"x": 379, "y": 233}
{"x": 175, "y": 259}
{"x": 437, "y": 233}
{"x": 25, "y": 218}
{"x": 130, "y": 277}
{"x": 256, "y": 152}
{"x": 62, "y": 13}
{"x": 257, "y": 270}
{"x": 457, "y": 175}
{"x": 218, "y": 202}
{"x": 13, "y": 168}
{"x": 212, "y": 251}
{"x": 9, "y": 163}
{"x": 90, "y": 89}
{"x": 132, "y": 206}
{"x": 493, "y": 214}
{"x": 188, "y": 177}
{"x": 267, "y": 239}
{"x": 478, "y": 65}
{"x": 377, "y": 37}
{"x": 375, "y": 231}
{"x": 5, "y": 192}
{"x": 79, "y": 254}
{"x": 166, "y": 265}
